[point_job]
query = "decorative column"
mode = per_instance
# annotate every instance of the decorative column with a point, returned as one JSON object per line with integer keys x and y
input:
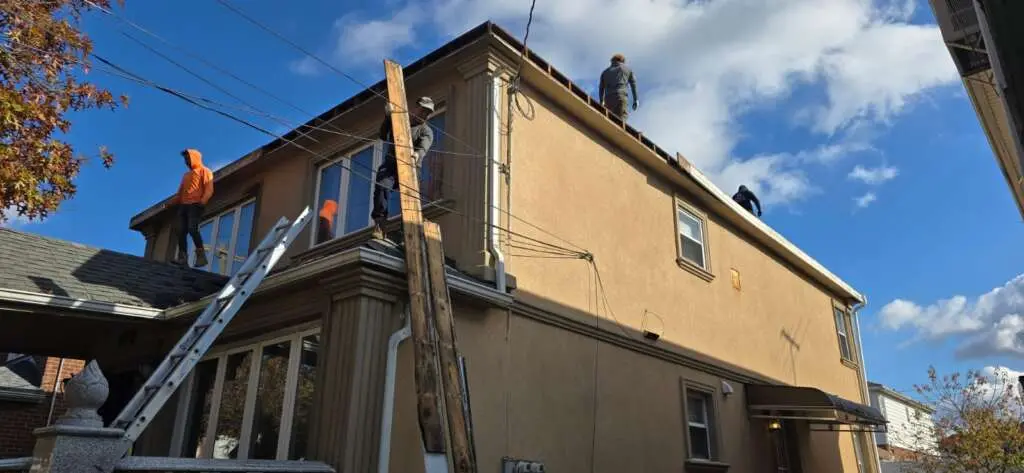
{"x": 77, "y": 441}
{"x": 364, "y": 312}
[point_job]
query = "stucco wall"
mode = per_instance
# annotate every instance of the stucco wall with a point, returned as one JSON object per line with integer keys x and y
{"x": 576, "y": 186}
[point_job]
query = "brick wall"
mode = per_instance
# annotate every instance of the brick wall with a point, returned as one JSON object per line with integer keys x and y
{"x": 18, "y": 419}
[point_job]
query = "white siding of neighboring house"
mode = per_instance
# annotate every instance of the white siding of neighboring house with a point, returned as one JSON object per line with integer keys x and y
{"x": 908, "y": 426}
{"x": 881, "y": 438}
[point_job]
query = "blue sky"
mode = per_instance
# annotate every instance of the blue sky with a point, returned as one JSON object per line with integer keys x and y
{"x": 790, "y": 109}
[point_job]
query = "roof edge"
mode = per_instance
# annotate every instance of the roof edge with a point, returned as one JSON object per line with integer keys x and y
{"x": 62, "y": 302}
{"x": 887, "y": 391}
{"x": 30, "y": 396}
{"x": 362, "y": 255}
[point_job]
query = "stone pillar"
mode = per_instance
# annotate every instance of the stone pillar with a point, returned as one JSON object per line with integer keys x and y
{"x": 78, "y": 441}
{"x": 364, "y": 312}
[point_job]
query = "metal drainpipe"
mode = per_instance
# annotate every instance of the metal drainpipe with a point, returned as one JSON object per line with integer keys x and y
{"x": 877, "y": 466}
{"x": 388, "y": 413}
{"x": 493, "y": 176}
{"x": 53, "y": 396}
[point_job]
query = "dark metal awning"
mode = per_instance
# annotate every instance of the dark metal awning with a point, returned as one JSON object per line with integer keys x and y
{"x": 812, "y": 405}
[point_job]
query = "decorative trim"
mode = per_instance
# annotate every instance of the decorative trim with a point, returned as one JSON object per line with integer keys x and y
{"x": 694, "y": 269}
{"x": 50, "y": 300}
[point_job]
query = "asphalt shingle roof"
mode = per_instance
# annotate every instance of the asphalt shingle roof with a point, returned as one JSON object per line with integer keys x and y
{"x": 10, "y": 379}
{"x": 34, "y": 263}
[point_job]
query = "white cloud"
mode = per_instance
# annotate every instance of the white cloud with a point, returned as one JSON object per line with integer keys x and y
{"x": 13, "y": 219}
{"x": 873, "y": 176}
{"x": 991, "y": 324}
{"x": 361, "y": 41}
{"x": 865, "y": 200}
{"x": 703, "y": 64}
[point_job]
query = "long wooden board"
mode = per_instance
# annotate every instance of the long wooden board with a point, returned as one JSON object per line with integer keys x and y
{"x": 444, "y": 322}
{"x": 412, "y": 227}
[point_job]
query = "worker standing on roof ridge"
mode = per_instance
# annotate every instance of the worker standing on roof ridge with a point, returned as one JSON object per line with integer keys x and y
{"x": 387, "y": 173}
{"x": 194, "y": 192}
{"x": 747, "y": 200}
{"x": 612, "y": 87}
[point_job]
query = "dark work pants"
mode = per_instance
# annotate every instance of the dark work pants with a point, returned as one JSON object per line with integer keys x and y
{"x": 188, "y": 224}
{"x": 618, "y": 105}
{"x": 387, "y": 181}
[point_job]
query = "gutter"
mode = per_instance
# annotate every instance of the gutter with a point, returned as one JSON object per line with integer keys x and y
{"x": 876, "y": 465}
{"x": 63, "y": 302}
{"x": 353, "y": 256}
{"x": 388, "y": 413}
{"x": 493, "y": 173}
{"x": 33, "y": 396}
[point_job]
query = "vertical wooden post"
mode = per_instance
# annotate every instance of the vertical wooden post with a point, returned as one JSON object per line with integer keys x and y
{"x": 444, "y": 322}
{"x": 412, "y": 228}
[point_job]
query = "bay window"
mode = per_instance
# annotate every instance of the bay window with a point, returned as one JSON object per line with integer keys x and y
{"x": 345, "y": 185}
{"x": 252, "y": 402}
{"x": 226, "y": 239}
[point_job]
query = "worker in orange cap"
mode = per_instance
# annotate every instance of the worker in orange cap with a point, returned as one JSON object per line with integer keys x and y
{"x": 195, "y": 191}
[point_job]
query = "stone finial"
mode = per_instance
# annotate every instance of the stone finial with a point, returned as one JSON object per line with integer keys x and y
{"x": 84, "y": 393}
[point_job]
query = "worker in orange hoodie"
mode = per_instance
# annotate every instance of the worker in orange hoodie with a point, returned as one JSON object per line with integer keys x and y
{"x": 195, "y": 191}
{"x": 325, "y": 231}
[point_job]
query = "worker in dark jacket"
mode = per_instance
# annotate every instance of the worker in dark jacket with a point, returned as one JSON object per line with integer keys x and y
{"x": 387, "y": 173}
{"x": 612, "y": 88}
{"x": 747, "y": 200}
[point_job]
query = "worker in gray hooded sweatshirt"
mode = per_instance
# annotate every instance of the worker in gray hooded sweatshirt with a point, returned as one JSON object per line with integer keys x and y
{"x": 612, "y": 88}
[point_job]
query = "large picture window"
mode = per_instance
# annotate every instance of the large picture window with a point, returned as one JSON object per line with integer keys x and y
{"x": 226, "y": 239}
{"x": 252, "y": 402}
{"x": 345, "y": 185}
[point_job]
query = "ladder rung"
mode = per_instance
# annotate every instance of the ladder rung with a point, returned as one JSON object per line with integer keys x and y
{"x": 200, "y": 327}
{"x": 282, "y": 225}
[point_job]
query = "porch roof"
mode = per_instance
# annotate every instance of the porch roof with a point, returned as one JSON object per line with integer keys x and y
{"x": 46, "y": 271}
{"x": 810, "y": 404}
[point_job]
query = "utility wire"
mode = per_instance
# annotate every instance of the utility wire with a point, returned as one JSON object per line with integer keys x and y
{"x": 344, "y": 74}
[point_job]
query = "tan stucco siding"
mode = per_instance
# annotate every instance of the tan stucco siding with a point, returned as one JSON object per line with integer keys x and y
{"x": 573, "y": 184}
{"x": 533, "y": 390}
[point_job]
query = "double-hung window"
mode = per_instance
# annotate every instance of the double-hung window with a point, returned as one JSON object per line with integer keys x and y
{"x": 700, "y": 424}
{"x": 843, "y": 332}
{"x": 252, "y": 402}
{"x": 691, "y": 238}
{"x": 346, "y": 184}
{"x": 226, "y": 239}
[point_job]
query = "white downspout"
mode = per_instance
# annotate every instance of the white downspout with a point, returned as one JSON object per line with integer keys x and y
{"x": 864, "y": 377}
{"x": 493, "y": 176}
{"x": 388, "y": 414}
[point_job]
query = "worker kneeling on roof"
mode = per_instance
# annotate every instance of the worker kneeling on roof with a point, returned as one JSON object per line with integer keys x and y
{"x": 387, "y": 173}
{"x": 194, "y": 192}
{"x": 746, "y": 198}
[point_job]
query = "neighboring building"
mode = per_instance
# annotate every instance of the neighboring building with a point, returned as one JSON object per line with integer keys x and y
{"x": 911, "y": 430}
{"x": 30, "y": 398}
{"x": 984, "y": 38}
{"x": 757, "y": 367}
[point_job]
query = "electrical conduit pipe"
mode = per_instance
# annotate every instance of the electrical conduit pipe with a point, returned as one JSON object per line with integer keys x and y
{"x": 388, "y": 413}
{"x": 493, "y": 180}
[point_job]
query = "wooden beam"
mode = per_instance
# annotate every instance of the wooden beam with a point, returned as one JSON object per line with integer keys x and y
{"x": 444, "y": 322}
{"x": 412, "y": 228}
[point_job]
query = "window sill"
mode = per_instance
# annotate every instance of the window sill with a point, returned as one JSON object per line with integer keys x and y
{"x": 849, "y": 363}
{"x": 705, "y": 466}
{"x": 696, "y": 270}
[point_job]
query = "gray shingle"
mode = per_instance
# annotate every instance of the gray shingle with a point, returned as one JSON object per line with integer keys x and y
{"x": 34, "y": 263}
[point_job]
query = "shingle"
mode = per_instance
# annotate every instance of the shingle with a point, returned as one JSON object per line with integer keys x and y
{"x": 10, "y": 379}
{"x": 34, "y": 263}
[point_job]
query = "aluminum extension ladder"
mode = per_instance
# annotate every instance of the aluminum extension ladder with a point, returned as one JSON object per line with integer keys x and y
{"x": 195, "y": 343}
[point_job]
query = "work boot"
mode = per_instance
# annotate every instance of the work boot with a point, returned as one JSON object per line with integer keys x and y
{"x": 200, "y": 258}
{"x": 181, "y": 259}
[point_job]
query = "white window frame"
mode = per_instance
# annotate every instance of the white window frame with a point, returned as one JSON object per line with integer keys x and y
{"x": 680, "y": 207}
{"x": 843, "y": 333}
{"x": 252, "y": 386}
{"x": 707, "y": 399}
{"x": 208, "y": 246}
{"x": 346, "y": 175}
